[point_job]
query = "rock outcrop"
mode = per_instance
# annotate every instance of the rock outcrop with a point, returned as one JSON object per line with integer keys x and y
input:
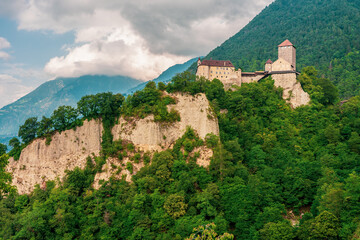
{"x": 194, "y": 111}
{"x": 150, "y": 136}
{"x": 293, "y": 92}
{"x": 40, "y": 162}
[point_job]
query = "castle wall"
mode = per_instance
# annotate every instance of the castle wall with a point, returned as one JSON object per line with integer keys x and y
{"x": 251, "y": 78}
{"x": 281, "y": 65}
{"x": 221, "y": 73}
{"x": 203, "y": 71}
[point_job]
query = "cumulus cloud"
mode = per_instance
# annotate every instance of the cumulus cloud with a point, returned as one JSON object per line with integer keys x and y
{"x": 11, "y": 89}
{"x": 139, "y": 38}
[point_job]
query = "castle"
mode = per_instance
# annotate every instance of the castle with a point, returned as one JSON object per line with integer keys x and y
{"x": 283, "y": 72}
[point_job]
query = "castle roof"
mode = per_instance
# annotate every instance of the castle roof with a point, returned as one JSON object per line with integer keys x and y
{"x": 269, "y": 61}
{"x": 216, "y": 63}
{"x": 286, "y": 43}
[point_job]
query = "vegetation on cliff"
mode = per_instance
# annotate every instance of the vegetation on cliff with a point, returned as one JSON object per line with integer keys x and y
{"x": 276, "y": 173}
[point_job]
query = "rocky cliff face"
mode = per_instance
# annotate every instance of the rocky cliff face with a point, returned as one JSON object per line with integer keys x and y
{"x": 194, "y": 111}
{"x": 40, "y": 162}
{"x": 293, "y": 92}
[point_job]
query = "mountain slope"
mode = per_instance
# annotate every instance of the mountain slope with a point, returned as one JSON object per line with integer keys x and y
{"x": 167, "y": 75}
{"x": 321, "y": 31}
{"x": 61, "y": 91}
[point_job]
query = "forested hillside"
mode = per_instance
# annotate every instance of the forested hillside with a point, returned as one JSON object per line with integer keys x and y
{"x": 324, "y": 32}
{"x": 276, "y": 173}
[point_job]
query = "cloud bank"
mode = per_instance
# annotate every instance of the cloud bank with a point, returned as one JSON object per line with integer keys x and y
{"x": 138, "y": 38}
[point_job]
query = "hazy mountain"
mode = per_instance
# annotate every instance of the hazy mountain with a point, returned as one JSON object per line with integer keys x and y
{"x": 167, "y": 75}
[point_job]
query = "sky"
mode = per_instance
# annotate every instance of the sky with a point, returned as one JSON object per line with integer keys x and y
{"x": 44, "y": 39}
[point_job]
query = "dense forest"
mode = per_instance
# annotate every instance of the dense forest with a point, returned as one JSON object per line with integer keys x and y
{"x": 324, "y": 32}
{"x": 276, "y": 172}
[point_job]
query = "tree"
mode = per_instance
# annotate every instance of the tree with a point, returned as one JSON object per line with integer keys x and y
{"x": 175, "y": 206}
{"x": 326, "y": 226}
{"x": 3, "y": 149}
{"x": 354, "y": 142}
{"x": 28, "y": 130}
{"x": 207, "y": 232}
{"x": 5, "y": 177}
{"x": 16, "y": 148}
{"x": 45, "y": 126}
{"x": 64, "y": 118}
{"x": 277, "y": 231}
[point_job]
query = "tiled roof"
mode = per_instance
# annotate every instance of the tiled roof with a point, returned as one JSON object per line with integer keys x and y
{"x": 216, "y": 63}
{"x": 269, "y": 61}
{"x": 286, "y": 43}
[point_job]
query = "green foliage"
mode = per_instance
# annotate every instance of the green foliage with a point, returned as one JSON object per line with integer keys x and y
{"x": 104, "y": 105}
{"x": 344, "y": 73}
{"x": 277, "y": 231}
{"x": 175, "y": 206}
{"x": 64, "y": 117}
{"x": 5, "y": 177}
{"x": 3, "y": 149}
{"x": 27, "y": 131}
{"x": 208, "y": 233}
{"x": 320, "y": 89}
{"x": 130, "y": 167}
{"x": 16, "y": 148}
{"x": 150, "y": 101}
{"x": 45, "y": 126}
{"x": 269, "y": 159}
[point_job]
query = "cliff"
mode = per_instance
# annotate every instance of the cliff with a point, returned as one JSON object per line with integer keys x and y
{"x": 40, "y": 162}
{"x": 293, "y": 92}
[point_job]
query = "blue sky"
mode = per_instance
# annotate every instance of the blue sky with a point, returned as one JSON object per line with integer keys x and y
{"x": 33, "y": 48}
{"x": 44, "y": 39}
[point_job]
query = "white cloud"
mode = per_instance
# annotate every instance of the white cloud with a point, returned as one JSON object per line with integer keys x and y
{"x": 139, "y": 38}
{"x": 11, "y": 89}
{"x": 4, "y": 55}
{"x": 4, "y": 44}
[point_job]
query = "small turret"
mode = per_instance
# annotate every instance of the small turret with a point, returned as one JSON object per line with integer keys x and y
{"x": 198, "y": 62}
{"x": 268, "y": 65}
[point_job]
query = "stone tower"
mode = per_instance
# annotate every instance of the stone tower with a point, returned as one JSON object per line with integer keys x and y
{"x": 287, "y": 51}
{"x": 268, "y": 66}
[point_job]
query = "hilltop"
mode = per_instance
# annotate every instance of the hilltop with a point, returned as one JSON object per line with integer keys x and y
{"x": 271, "y": 167}
{"x": 323, "y": 31}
